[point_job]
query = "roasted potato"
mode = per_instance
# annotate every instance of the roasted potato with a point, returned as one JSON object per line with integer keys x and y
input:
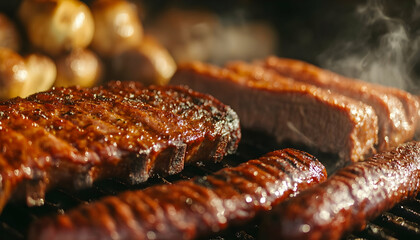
{"x": 149, "y": 63}
{"x": 187, "y": 34}
{"x": 80, "y": 67}
{"x": 21, "y": 76}
{"x": 42, "y": 73}
{"x": 57, "y": 26}
{"x": 9, "y": 35}
{"x": 13, "y": 74}
{"x": 202, "y": 35}
{"x": 117, "y": 27}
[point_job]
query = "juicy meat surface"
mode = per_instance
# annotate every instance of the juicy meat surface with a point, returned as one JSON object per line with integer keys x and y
{"x": 190, "y": 208}
{"x": 73, "y": 136}
{"x": 349, "y": 198}
{"x": 290, "y": 111}
{"x": 397, "y": 110}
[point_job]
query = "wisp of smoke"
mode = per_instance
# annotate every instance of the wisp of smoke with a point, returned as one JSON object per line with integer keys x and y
{"x": 388, "y": 61}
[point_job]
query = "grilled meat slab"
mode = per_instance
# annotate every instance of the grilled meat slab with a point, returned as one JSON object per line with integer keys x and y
{"x": 289, "y": 110}
{"x": 190, "y": 208}
{"x": 348, "y": 199}
{"x": 73, "y": 136}
{"x": 397, "y": 110}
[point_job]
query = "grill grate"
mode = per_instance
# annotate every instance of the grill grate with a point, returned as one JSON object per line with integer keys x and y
{"x": 401, "y": 222}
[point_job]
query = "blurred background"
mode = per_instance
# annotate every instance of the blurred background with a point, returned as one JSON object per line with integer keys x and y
{"x": 373, "y": 40}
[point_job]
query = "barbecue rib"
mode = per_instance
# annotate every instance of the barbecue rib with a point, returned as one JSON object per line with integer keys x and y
{"x": 190, "y": 208}
{"x": 348, "y": 199}
{"x": 73, "y": 136}
{"x": 290, "y": 111}
{"x": 397, "y": 110}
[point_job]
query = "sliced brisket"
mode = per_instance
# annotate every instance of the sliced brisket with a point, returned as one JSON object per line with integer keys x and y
{"x": 190, "y": 208}
{"x": 397, "y": 110}
{"x": 72, "y": 136}
{"x": 290, "y": 111}
{"x": 349, "y": 198}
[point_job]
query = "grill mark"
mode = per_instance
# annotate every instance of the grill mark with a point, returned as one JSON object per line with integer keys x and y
{"x": 278, "y": 165}
{"x": 144, "y": 111}
{"x": 186, "y": 190}
{"x": 147, "y": 213}
{"x": 188, "y": 208}
{"x": 153, "y": 137}
{"x": 122, "y": 215}
{"x": 218, "y": 111}
{"x": 305, "y": 157}
{"x": 43, "y": 139}
{"x": 255, "y": 175}
{"x": 237, "y": 173}
{"x": 198, "y": 202}
{"x": 227, "y": 176}
{"x": 137, "y": 97}
{"x": 203, "y": 194}
{"x": 290, "y": 161}
{"x": 284, "y": 166}
{"x": 264, "y": 166}
{"x": 267, "y": 180}
{"x": 203, "y": 197}
{"x": 172, "y": 95}
{"x": 51, "y": 120}
{"x": 84, "y": 216}
{"x": 122, "y": 130}
{"x": 92, "y": 156}
{"x": 244, "y": 182}
{"x": 370, "y": 188}
{"x": 138, "y": 211}
{"x": 96, "y": 118}
{"x": 222, "y": 189}
{"x": 297, "y": 157}
{"x": 195, "y": 128}
{"x": 107, "y": 225}
{"x": 80, "y": 105}
{"x": 33, "y": 139}
{"x": 67, "y": 112}
{"x": 102, "y": 107}
{"x": 166, "y": 198}
{"x": 179, "y": 102}
{"x": 159, "y": 136}
{"x": 169, "y": 100}
{"x": 353, "y": 173}
{"x": 344, "y": 180}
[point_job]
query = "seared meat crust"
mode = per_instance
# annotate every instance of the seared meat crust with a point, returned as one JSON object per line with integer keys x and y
{"x": 190, "y": 208}
{"x": 349, "y": 198}
{"x": 73, "y": 136}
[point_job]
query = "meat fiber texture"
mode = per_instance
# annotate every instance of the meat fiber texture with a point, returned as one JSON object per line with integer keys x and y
{"x": 397, "y": 110}
{"x": 191, "y": 208}
{"x": 288, "y": 110}
{"x": 69, "y": 137}
{"x": 349, "y": 198}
